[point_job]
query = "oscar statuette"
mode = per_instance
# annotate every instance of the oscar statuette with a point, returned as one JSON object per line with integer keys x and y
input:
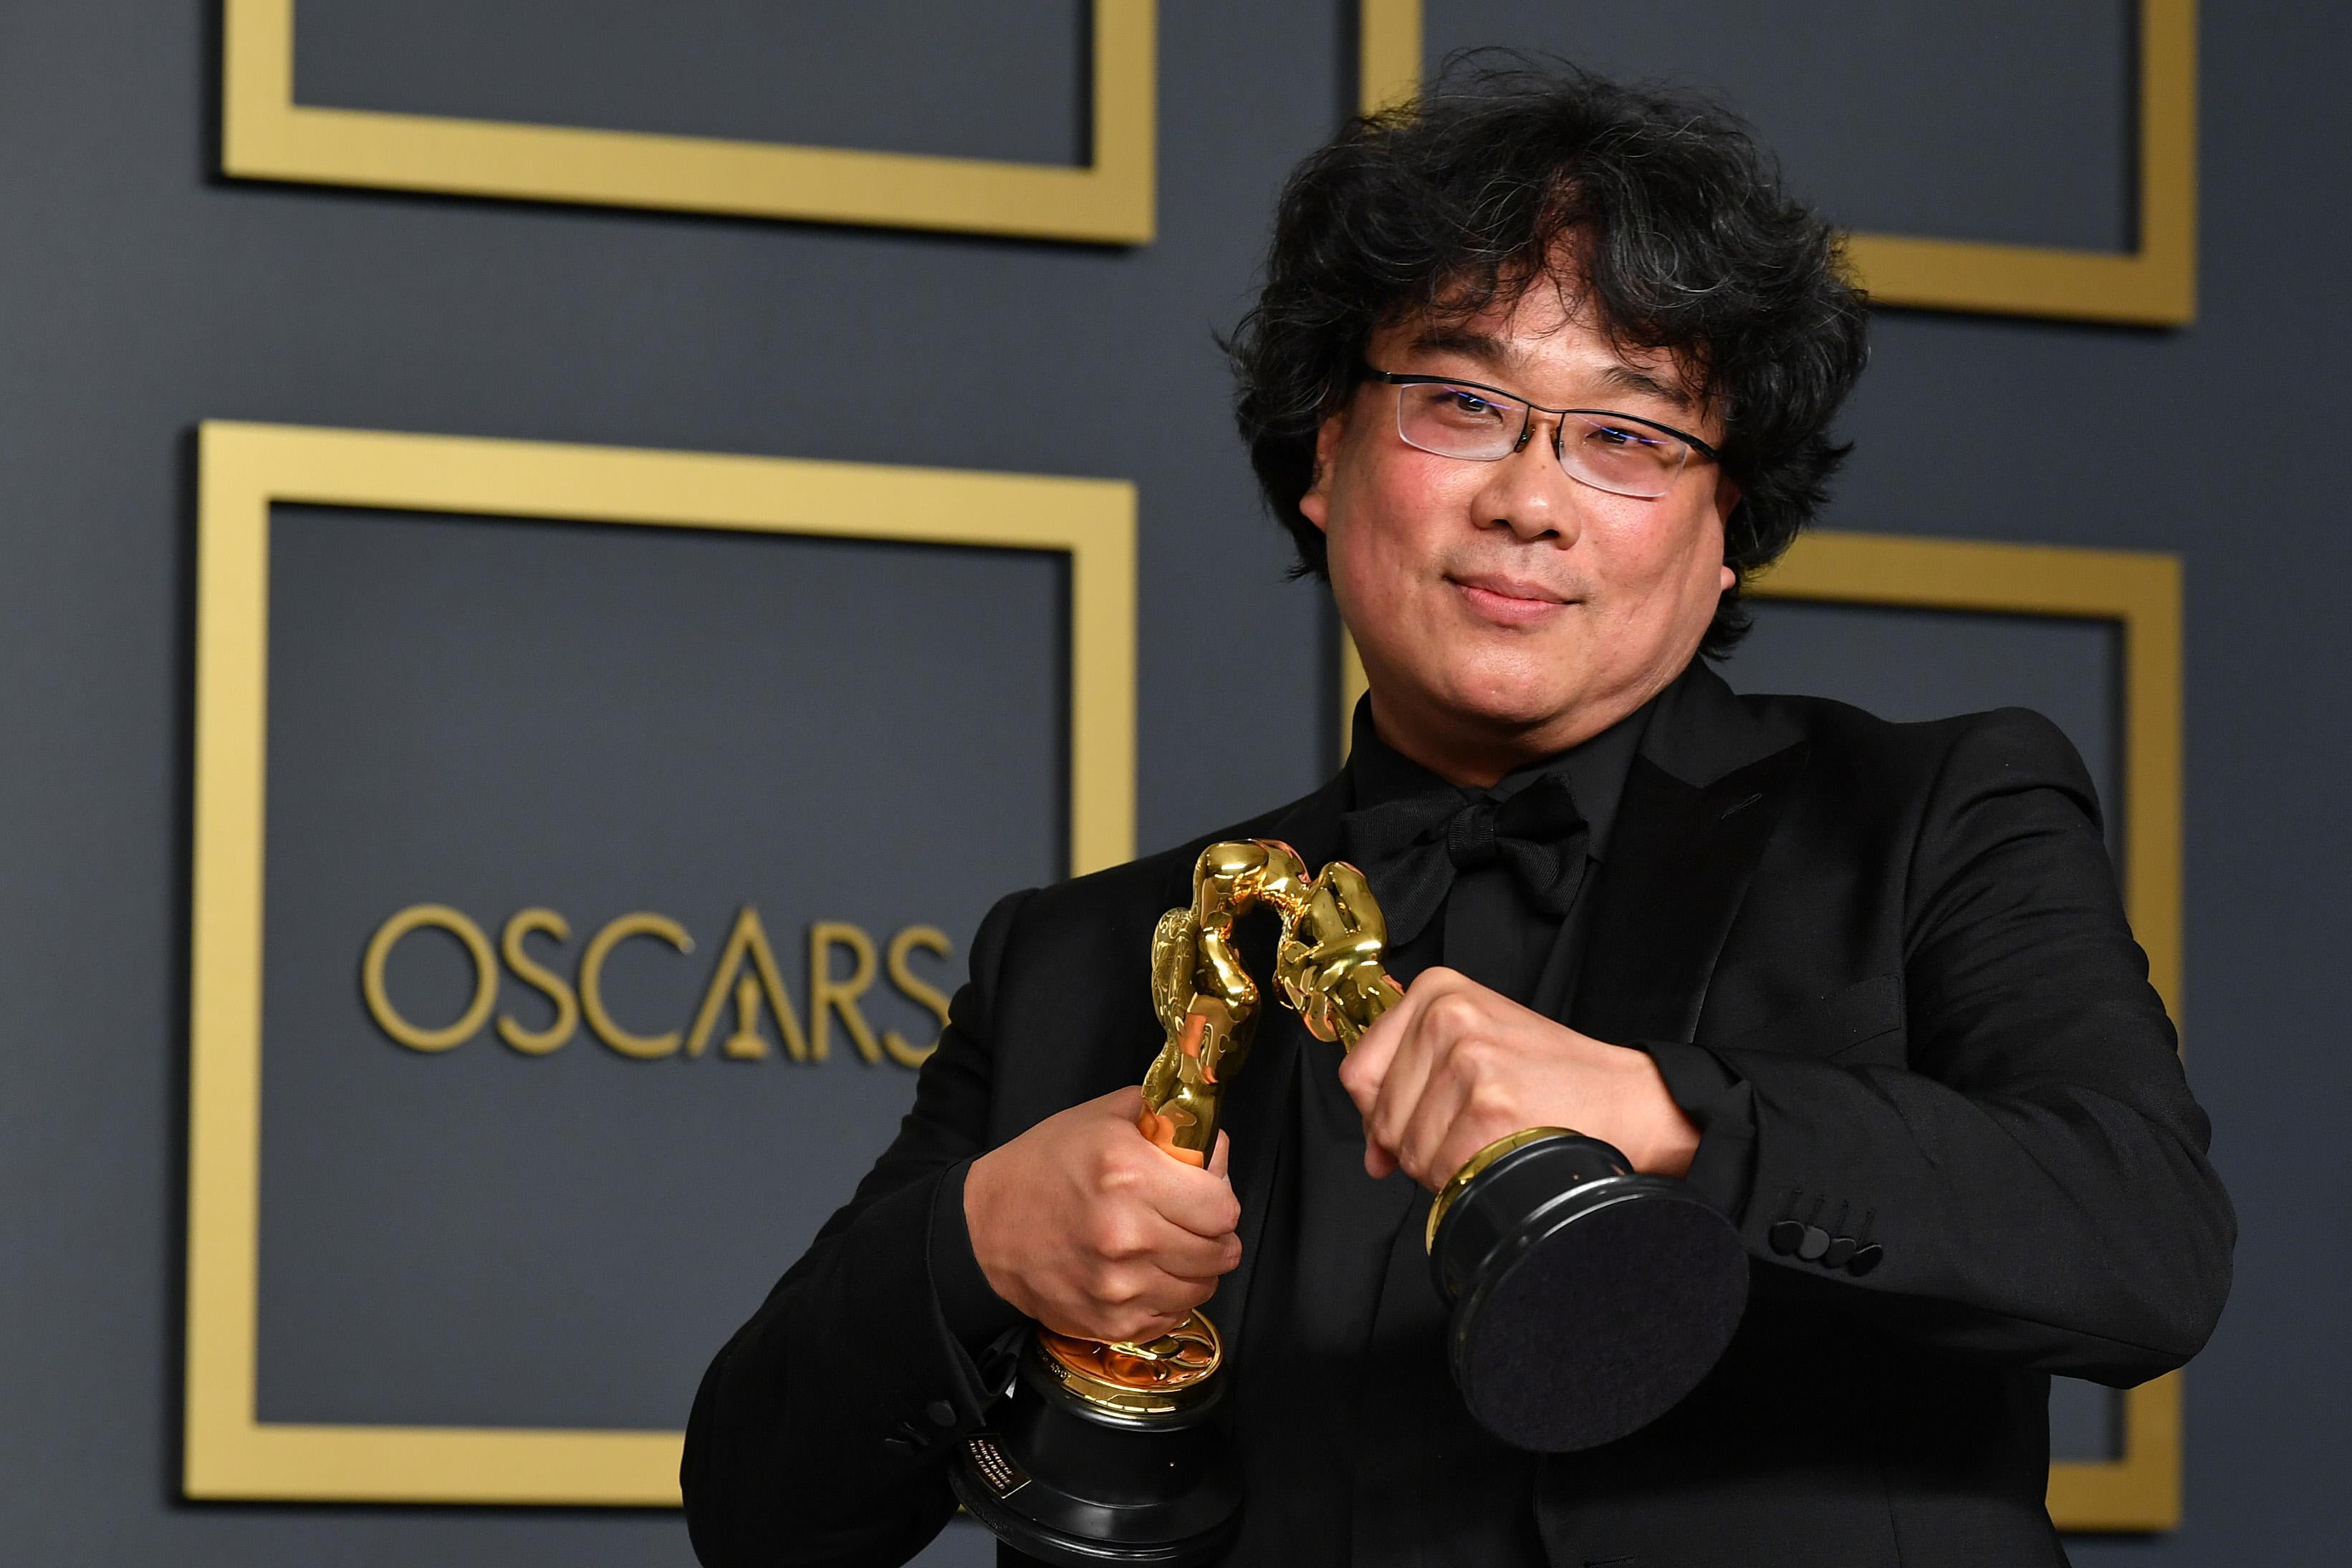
{"x": 1586, "y": 1300}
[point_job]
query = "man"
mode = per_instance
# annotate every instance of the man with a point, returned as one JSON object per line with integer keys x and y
{"x": 1540, "y": 372}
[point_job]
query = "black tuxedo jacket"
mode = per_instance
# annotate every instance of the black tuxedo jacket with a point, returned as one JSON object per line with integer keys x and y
{"x": 1883, "y": 966}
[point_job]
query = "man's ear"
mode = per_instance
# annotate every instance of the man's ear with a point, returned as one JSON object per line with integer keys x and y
{"x": 1728, "y": 499}
{"x": 1727, "y": 496}
{"x": 1315, "y": 505}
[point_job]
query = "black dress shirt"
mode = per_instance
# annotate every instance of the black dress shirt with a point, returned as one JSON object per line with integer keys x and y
{"x": 1345, "y": 1318}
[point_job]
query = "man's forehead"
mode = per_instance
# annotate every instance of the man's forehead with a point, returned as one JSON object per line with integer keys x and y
{"x": 1539, "y": 347}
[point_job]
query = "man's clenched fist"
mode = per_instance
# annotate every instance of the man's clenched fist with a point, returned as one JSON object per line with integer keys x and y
{"x": 1455, "y": 1066}
{"x": 1089, "y": 1228}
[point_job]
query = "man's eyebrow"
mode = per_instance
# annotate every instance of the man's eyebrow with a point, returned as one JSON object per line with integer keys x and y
{"x": 1490, "y": 352}
{"x": 1627, "y": 379}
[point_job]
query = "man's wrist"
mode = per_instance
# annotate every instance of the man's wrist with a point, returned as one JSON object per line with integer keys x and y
{"x": 969, "y": 1305}
{"x": 1671, "y": 1138}
{"x": 1719, "y": 1102}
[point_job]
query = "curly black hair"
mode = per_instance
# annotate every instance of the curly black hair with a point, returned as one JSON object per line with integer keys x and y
{"x": 1682, "y": 237}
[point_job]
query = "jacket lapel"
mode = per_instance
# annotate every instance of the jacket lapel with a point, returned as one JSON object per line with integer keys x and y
{"x": 1701, "y": 799}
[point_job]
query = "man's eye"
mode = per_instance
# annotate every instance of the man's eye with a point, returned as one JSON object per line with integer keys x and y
{"x": 1622, "y": 438}
{"x": 1470, "y": 405}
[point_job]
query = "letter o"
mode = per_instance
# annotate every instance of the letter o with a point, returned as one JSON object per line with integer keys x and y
{"x": 486, "y": 977}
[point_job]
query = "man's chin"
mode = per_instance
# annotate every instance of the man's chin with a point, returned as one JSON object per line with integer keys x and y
{"x": 1515, "y": 708}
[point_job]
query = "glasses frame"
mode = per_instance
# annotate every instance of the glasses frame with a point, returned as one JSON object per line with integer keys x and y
{"x": 1527, "y": 426}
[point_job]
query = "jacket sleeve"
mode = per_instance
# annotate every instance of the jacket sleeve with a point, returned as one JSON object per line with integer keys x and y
{"x": 2031, "y": 1188}
{"x": 822, "y": 1431}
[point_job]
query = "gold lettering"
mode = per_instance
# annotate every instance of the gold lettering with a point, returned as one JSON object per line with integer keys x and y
{"x": 644, "y": 1046}
{"x": 746, "y": 943}
{"x": 828, "y": 996}
{"x": 531, "y": 972}
{"x": 915, "y": 989}
{"x": 745, "y": 1042}
{"x": 486, "y": 976}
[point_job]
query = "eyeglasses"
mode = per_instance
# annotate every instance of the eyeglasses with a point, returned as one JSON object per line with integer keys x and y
{"x": 1618, "y": 452}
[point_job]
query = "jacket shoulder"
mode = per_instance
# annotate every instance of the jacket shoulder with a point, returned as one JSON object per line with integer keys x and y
{"x": 2015, "y": 743}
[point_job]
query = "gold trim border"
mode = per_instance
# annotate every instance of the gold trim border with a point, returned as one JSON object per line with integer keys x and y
{"x": 266, "y": 135}
{"x": 2141, "y": 592}
{"x": 2154, "y": 284}
{"x": 244, "y": 469}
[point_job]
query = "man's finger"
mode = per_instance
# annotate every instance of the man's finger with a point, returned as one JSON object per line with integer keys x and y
{"x": 1178, "y": 1251}
{"x": 1407, "y": 1080}
{"x": 1195, "y": 1200}
{"x": 1368, "y": 1061}
{"x": 1422, "y": 1143}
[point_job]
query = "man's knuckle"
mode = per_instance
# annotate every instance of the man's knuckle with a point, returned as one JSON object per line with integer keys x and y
{"x": 1475, "y": 1050}
{"x": 1455, "y": 1012}
{"x": 1108, "y": 1237}
{"x": 1487, "y": 1098}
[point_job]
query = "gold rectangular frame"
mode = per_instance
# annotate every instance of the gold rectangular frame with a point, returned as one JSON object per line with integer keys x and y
{"x": 266, "y": 135}
{"x": 2139, "y": 591}
{"x": 2154, "y": 284}
{"x": 244, "y": 469}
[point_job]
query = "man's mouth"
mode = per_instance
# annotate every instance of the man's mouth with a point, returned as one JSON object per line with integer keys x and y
{"x": 1510, "y": 601}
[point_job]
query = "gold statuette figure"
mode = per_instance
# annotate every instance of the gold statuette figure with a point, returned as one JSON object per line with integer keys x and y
{"x": 1327, "y": 968}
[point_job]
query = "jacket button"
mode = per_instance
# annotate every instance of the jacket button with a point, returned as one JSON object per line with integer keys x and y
{"x": 942, "y": 1413}
{"x": 1785, "y": 1236}
{"x": 1841, "y": 1248}
{"x": 1864, "y": 1261}
{"x": 1816, "y": 1242}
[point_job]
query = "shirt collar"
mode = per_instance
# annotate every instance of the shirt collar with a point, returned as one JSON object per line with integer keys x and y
{"x": 1594, "y": 771}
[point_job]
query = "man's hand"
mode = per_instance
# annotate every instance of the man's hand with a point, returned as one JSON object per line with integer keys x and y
{"x": 1089, "y": 1228}
{"x": 1455, "y": 1066}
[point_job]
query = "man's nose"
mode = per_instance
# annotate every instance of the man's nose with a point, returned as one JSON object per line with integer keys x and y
{"x": 1529, "y": 492}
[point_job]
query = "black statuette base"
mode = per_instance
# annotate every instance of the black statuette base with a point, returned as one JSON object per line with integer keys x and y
{"x": 1588, "y": 1299}
{"x": 1070, "y": 1483}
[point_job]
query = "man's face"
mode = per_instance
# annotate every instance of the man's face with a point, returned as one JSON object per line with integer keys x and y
{"x": 1504, "y": 610}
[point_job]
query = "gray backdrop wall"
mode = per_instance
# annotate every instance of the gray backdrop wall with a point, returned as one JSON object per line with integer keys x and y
{"x": 140, "y": 293}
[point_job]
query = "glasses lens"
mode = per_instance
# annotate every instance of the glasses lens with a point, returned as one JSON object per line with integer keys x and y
{"x": 1620, "y": 455}
{"x": 1459, "y": 421}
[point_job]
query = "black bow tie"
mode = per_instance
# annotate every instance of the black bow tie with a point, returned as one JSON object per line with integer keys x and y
{"x": 1411, "y": 848}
